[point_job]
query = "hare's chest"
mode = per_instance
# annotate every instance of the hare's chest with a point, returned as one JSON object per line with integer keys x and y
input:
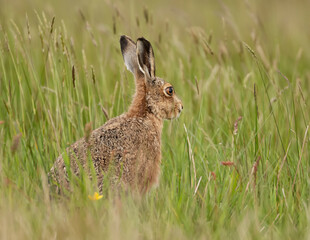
{"x": 149, "y": 163}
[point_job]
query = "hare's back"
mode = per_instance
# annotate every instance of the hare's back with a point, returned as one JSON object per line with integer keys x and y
{"x": 117, "y": 138}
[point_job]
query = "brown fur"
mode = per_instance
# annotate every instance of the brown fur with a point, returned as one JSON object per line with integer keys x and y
{"x": 131, "y": 143}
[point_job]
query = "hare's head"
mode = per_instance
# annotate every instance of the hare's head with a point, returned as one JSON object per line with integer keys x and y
{"x": 159, "y": 95}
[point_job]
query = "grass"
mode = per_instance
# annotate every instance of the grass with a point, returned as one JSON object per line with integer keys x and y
{"x": 235, "y": 164}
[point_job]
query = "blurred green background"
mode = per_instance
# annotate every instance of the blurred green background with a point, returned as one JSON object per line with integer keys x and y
{"x": 241, "y": 70}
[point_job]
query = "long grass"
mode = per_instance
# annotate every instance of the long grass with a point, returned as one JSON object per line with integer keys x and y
{"x": 235, "y": 164}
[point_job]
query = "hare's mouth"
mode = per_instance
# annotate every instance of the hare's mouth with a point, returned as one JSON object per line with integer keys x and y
{"x": 179, "y": 110}
{"x": 177, "y": 114}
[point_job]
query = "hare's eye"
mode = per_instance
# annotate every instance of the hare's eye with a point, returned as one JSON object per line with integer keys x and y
{"x": 169, "y": 91}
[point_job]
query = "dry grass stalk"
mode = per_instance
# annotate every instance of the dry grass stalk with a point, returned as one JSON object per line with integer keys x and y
{"x": 194, "y": 35}
{"x": 197, "y": 86}
{"x": 84, "y": 62}
{"x": 282, "y": 75}
{"x": 301, "y": 93}
{"x": 200, "y": 38}
{"x": 255, "y": 167}
{"x": 17, "y": 31}
{"x": 249, "y": 49}
{"x": 206, "y": 47}
{"x": 223, "y": 51}
{"x": 191, "y": 156}
{"x": 196, "y": 189}
{"x": 253, "y": 173}
{"x": 41, "y": 39}
{"x": 235, "y": 132}
{"x": 207, "y": 184}
{"x": 263, "y": 56}
{"x": 282, "y": 164}
{"x": 302, "y": 150}
{"x": 105, "y": 112}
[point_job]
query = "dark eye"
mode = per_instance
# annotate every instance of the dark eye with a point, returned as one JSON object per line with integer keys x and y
{"x": 169, "y": 91}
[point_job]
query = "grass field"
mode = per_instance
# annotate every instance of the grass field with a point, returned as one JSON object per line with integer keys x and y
{"x": 235, "y": 164}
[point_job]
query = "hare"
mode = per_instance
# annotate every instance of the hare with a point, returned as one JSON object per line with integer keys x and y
{"x": 131, "y": 142}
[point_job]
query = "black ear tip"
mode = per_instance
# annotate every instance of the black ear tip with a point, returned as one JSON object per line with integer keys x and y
{"x": 123, "y": 41}
{"x": 145, "y": 44}
{"x": 122, "y": 38}
{"x": 144, "y": 41}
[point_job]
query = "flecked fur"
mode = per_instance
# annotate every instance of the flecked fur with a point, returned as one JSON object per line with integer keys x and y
{"x": 131, "y": 142}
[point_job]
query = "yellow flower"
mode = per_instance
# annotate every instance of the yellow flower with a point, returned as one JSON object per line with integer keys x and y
{"x": 95, "y": 197}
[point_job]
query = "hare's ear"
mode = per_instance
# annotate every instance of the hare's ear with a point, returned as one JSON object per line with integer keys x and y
{"x": 146, "y": 59}
{"x": 129, "y": 51}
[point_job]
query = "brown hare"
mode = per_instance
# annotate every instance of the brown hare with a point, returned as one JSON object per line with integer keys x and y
{"x": 131, "y": 142}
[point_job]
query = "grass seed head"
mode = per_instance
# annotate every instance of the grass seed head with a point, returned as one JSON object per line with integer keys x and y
{"x": 73, "y": 75}
{"x": 15, "y": 143}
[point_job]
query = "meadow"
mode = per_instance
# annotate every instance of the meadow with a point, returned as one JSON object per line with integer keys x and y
{"x": 235, "y": 165}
